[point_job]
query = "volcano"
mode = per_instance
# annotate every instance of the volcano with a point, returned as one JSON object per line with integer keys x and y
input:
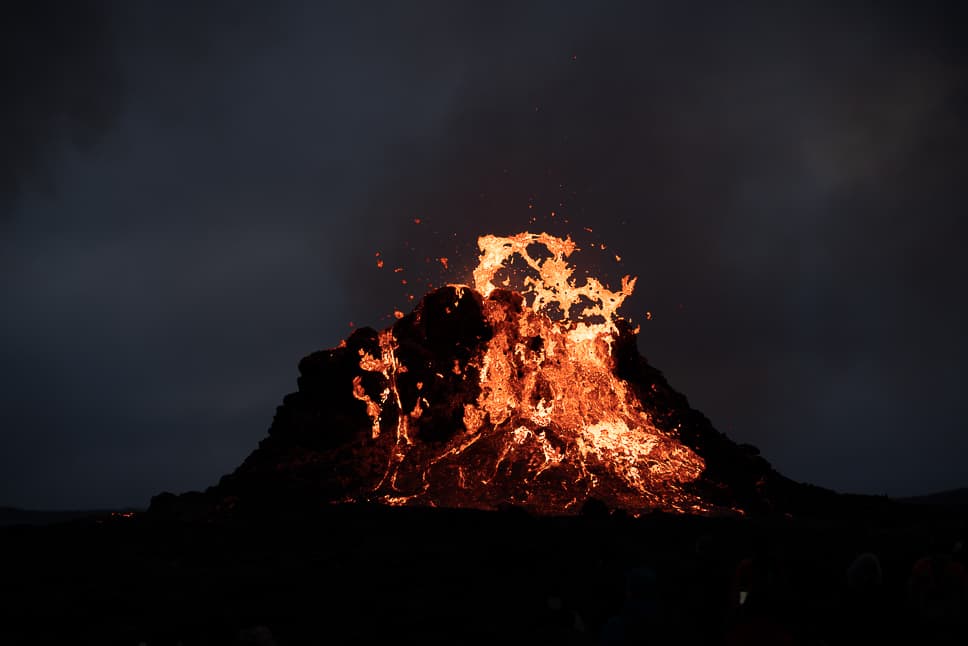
{"x": 524, "y": 389}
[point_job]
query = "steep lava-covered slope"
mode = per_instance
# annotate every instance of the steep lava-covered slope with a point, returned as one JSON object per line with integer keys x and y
{"x": 483, "y": 397}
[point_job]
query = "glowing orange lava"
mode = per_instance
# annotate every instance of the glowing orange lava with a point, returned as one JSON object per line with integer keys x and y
{"x": 541, "y": 421}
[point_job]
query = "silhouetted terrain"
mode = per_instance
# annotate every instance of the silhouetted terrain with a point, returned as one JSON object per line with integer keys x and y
{"x": 324, "y": 446}
{"x": 273, "y": 554}
{"x": 952, "y": 497}
{"x": 375, "y": 574}
{"x": 16, "y": 516}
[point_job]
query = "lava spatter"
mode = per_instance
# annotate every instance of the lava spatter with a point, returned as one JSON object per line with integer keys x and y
{"x": 543, "y": 420}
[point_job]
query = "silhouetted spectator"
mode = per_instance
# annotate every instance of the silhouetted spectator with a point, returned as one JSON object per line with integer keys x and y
{"x": 638, "y": 620}
{"x": 864, "y": 575}
{"x": 704, "y": 593}
{"x": 862, "y": 615}
{"x": 937, "y": 594}
{"x": 558, "y": 618}
{"x": 561, "y": 623}
{"x": 601, "y": 587}
{"x": 764, "y": 569}
{"x": 256, "y": 636}
{"x": 759, "y": 590}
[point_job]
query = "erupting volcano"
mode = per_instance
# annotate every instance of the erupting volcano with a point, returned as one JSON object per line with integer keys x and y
{"x": 524, "y": 389}
{"x": 530, "y": 410}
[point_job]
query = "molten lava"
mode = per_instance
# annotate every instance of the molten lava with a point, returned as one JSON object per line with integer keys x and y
{"x": 486, "y": 396}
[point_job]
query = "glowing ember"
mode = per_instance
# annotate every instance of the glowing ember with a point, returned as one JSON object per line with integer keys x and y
{"x": 522, "y": 403}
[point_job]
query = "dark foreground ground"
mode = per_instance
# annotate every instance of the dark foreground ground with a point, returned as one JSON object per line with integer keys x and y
{"x": 381, "y": 575}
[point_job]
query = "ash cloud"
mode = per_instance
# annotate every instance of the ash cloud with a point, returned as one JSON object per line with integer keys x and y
{"x": 60, "y": 74}
{"x": 785, "y": 181}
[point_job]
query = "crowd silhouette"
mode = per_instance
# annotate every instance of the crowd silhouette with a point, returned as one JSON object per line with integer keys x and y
{"x": 771, "y": 586}
{"x": 382, "y": 575}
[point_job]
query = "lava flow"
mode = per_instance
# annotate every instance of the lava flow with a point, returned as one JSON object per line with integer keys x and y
{"x": 525, "y": 389}
{"x": 486, "y": 396}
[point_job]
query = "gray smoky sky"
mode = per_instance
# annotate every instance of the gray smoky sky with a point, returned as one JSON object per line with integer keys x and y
{"x": 191, "y": 197}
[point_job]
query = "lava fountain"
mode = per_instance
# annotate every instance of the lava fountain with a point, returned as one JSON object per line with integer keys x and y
{"x": 486, "y": 395}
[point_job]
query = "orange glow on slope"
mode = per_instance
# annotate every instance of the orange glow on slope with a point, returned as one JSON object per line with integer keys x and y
{"x": 549, "y": 424}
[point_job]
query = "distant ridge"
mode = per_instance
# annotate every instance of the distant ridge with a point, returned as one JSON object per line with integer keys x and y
{"x": 10, "y": 516}
{"x": 951, "y": 497}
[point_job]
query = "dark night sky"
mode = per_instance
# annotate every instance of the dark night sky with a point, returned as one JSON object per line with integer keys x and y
{"x": 190, "y": 201}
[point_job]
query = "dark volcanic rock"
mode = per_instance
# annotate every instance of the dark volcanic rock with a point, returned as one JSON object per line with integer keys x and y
{"x": 420, "y": 376}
